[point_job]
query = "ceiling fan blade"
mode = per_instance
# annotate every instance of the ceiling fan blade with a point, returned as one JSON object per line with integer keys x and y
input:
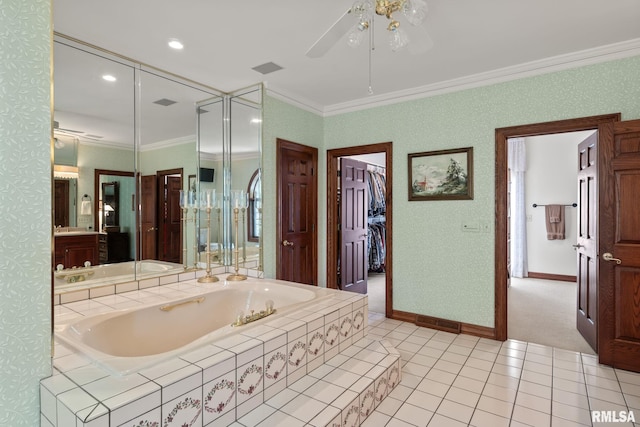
{"x": 331, "y": 37}
{"x": 75, "y": 134}
{"x": 419, "y": 40}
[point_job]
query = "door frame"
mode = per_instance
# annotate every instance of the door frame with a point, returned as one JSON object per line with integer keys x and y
{"x": 161, "y": 199}
{"x": 332, "y": 214}
{"x": 501, "y": 183}
{"x": 281, "y": 146}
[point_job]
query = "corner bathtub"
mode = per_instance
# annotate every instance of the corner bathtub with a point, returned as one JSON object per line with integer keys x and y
{"x": 105, "y": 274}
{"x": 125, "y": 341}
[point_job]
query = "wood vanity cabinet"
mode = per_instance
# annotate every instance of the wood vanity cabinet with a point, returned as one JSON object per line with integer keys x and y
{"x": 75, "y": 250}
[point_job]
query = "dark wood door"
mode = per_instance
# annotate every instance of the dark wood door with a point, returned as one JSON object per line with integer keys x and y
{"x": 353, "y": 225}
{"x": 297, "y": 212}
{"x": 619, "y": 245}
{"x": 170, "y": 237}
{"x": 148, "y": 217}
{"x": 587, "y": 241}
{"x": 61, "y": 203}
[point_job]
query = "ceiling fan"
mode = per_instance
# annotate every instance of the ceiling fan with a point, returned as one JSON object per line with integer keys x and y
{"x": 60, "y": 134}
{"x": 358, "y": 20}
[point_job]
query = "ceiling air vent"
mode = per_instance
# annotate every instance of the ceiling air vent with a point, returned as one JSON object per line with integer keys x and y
{"x": 164, "y": 102}
{"x": 267, "y": 67}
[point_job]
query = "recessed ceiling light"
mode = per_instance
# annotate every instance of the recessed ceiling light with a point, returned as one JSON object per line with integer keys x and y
{"x": 109, "y": 78}
{"x": 175, "y": 44}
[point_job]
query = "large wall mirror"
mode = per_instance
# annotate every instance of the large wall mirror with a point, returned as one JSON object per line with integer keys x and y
{"x": 128, "y": 140}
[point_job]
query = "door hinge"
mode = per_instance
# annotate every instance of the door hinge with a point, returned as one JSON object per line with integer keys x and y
{"x": 339, "y": 175}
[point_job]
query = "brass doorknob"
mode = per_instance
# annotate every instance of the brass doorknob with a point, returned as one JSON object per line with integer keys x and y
{"x": 608, "y": 257}
{"x": 287, "y": 243}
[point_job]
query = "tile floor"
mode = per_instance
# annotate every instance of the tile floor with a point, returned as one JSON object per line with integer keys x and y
{"x": 460, "y": 380}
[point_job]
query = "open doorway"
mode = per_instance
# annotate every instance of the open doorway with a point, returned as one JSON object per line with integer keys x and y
{"x": 378, "y": 157}
{"x": 542, "y": 254}
{"x": 502, "y": 202}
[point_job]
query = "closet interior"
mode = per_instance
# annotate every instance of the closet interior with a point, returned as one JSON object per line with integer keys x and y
{"x": 373, "y": 268}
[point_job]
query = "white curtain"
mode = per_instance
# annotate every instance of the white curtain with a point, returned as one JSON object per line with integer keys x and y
{"x": 518, "y": 167}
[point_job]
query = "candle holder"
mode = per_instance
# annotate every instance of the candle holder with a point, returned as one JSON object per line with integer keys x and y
{"x": 184, "y": 207}
{"x": 195, "y": 232}
{"x": 244, "y": 237}
{"x": 208, "y": 199}
{"x": 239, "y": 200}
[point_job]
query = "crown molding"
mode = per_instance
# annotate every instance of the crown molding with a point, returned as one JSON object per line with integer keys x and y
{"x": 295, "y": 101}
{"x": 577, "y": 59}
{"x": 168, "y": 143}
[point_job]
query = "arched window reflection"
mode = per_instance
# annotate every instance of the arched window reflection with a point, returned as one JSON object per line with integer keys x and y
{"x": 254, "y": 212}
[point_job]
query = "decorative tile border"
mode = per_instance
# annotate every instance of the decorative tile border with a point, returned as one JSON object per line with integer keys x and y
{"x": 223, "y": 384}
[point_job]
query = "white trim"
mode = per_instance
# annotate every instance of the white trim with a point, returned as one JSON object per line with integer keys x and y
{"x": 568, "y": 61}
{"x": 296, "y": 101}
{"x": 168, "y": 143}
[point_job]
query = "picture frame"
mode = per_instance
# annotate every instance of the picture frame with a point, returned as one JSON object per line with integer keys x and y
{"x": 441, "y": 175}
{"x": 192, "y": 183}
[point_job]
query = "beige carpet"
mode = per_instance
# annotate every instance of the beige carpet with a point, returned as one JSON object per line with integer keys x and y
{"x": 376, "y": 292}
{"x": 544, "y": 312}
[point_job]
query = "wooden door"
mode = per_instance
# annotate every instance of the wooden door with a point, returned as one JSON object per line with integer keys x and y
{"x": 170, "y": 236}
{"x": 587, "y": 241}
{"x": 61, "y": 203}
{"x": 297, "y": 212}
{"x": 148, "y": 217}
{"x": 353, "y": 225}
{"x": 619, "y": 245}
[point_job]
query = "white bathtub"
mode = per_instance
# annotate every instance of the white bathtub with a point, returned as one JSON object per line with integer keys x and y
{"x": 105, "y": 274}
{"x": 126, "y": 341}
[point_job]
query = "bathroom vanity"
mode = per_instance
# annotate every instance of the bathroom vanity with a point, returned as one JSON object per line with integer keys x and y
{"x": 73, "y": 249}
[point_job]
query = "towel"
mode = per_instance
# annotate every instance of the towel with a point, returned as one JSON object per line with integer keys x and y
{"x": 554, "y": 216}
{"x": 85, "y": 207}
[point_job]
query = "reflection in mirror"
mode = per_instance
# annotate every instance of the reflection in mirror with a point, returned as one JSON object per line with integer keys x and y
{"x": 116, "y": 214}
{"x": 254, "y": 212}
{"x": 210, "y": 179}
{"x": 93, "y": 119}
{"x": 245, "y": 165}
{"x": 169, "y": 119}
{"x": 149, "y": 132}
{"x": 65, "y": 172}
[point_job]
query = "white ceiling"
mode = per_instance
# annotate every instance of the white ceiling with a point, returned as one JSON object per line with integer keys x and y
{"x": 225, "y": 39}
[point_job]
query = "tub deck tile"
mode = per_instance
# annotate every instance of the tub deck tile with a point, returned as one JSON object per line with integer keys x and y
{"x": 312, "y": 367}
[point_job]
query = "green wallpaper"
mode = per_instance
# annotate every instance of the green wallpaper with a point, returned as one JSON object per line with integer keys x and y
{"x": 438, "y": 269}
{"x": 25, "y": 208}
{"x": 287, "y": 122}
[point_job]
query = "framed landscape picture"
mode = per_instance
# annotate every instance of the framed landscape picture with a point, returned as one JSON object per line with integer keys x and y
{"x": 441, "y": 175}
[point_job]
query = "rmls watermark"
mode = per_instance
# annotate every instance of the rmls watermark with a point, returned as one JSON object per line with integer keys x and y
{"x": 612, "y": 417}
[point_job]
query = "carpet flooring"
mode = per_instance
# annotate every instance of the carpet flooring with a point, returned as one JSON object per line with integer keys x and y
{"x": 544, "y": 312}
{"x": 376, "y": 292}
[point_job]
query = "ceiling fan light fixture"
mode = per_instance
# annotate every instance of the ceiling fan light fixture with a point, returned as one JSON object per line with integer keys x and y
{"x": 415, "y": 11}
{"x": 356, "y": 34}
{"x": 398, "y": 39}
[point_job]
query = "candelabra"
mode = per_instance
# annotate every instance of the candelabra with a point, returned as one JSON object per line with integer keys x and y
{"x": 207, "y": 199}
{"x": 244, "y": 237}
{"x": 184, "y": 207}
{"x": 240, "y": 199}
